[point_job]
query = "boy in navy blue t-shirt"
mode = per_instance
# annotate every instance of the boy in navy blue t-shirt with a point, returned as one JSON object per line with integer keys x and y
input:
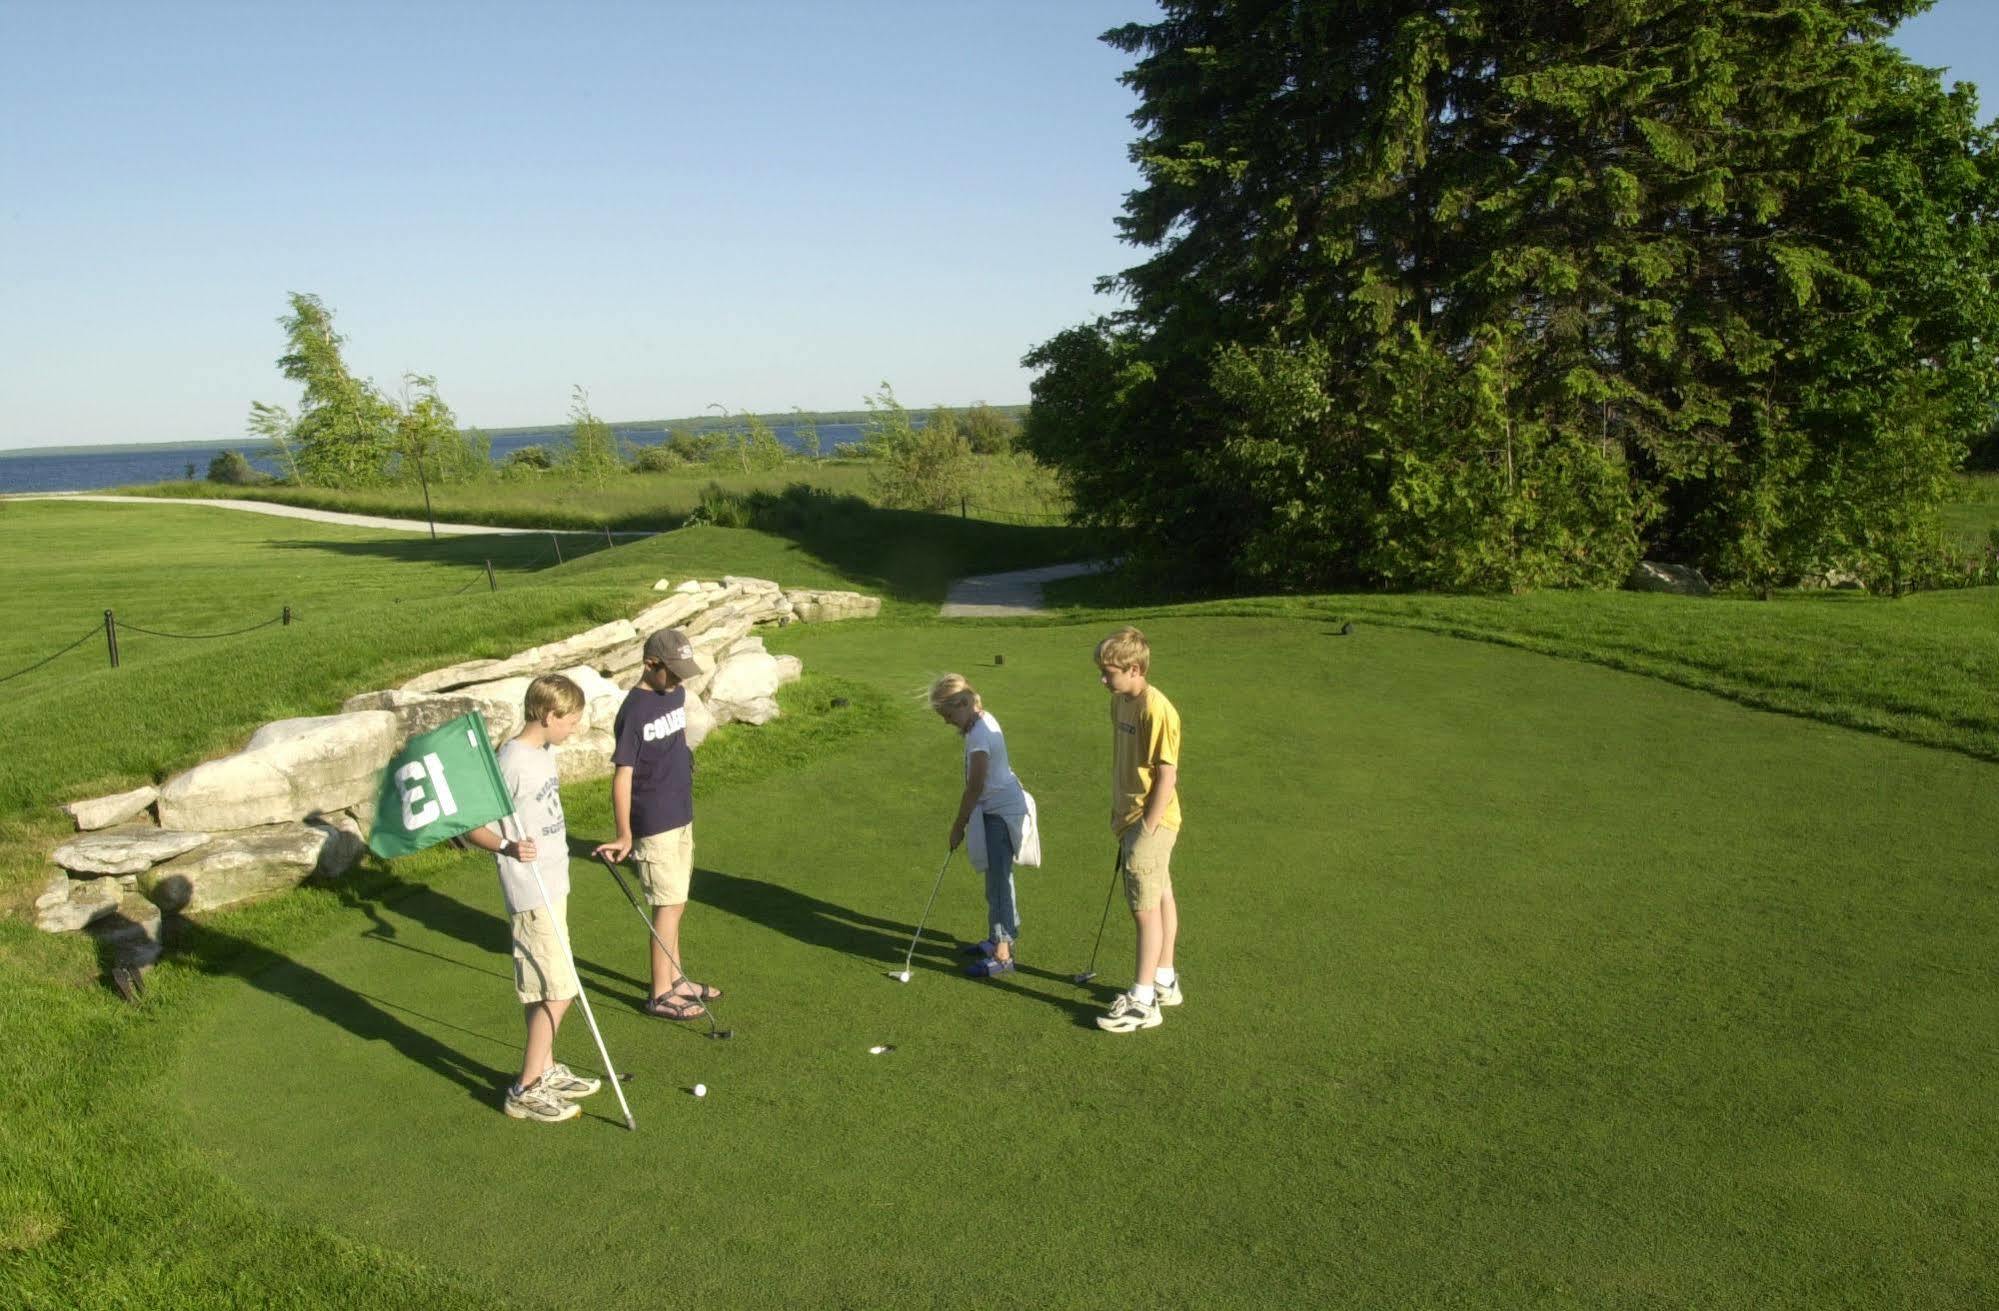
{"x": 652, "y": 799}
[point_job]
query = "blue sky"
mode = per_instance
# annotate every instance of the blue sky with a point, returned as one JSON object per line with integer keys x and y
{"x": 759, "y": 204}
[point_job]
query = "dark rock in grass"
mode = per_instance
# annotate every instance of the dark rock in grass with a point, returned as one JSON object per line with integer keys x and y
{"x": 1654, "y": 576}
{"x": 252, "y": 862}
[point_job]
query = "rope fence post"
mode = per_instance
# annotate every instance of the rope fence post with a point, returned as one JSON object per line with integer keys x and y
{"x": 111, "y": 636}
{"x": 607, "y": 537}
{"x": 288, "y": 617}
{"x": 557, "y": 542}
{"x": 490, "y": 583}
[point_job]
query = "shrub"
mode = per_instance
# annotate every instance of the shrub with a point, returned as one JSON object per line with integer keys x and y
{"x": 235, "y": 469}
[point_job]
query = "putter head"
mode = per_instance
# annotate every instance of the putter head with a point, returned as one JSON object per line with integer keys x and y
{"x": 1085, "y": 976}
{"x": 723, "y": 1033}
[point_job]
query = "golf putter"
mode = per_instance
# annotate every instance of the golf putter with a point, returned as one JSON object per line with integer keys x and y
{"x": 911, "y": 953}
{"x": 707, "y": 1008}
{"x": 1117, "y": 868}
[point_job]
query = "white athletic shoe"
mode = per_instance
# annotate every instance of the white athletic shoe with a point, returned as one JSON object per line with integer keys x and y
{"x": 567, "y": 1084}
{"x": 1128, "y": 1013}
{"x": 538, "y": 1103}
{"x": 1169, "y": 993}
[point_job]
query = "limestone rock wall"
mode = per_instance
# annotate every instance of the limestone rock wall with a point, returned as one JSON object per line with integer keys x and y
{"x": 295, "y": 802}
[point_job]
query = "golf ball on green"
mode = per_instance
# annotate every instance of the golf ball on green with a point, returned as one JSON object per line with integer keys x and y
{"x": 700, "y": 1090}
{"x": 903, "y": 977}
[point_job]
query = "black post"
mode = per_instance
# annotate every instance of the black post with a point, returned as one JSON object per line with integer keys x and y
{"x": 489, "y": 577}
{"x": 964, "y": 511}
{"x": 111, "y": 636}
{"x": 288, "y": 617}
{"x": 422, "y": 478}
{"x": 557, "y": 542}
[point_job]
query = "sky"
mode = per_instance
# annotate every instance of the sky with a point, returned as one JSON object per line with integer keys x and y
{"x": 754, "y": 204}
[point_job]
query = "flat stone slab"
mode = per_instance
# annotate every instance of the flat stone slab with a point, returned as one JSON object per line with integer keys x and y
{"x": 125, "y": 851}
{"x": 103, "y": 812}
{"x": 990, "y": 596}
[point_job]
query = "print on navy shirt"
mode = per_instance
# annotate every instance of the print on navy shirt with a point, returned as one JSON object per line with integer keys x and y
{"x": 651, "y": 730}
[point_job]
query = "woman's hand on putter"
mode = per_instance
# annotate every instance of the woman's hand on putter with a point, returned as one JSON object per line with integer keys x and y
{"x": 615, "y": 850}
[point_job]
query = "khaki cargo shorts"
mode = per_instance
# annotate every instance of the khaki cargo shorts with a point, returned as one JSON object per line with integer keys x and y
{"x": 1147, "y": 859}
{"x": 542, "y": 971}
{"x": 666, "y": 865}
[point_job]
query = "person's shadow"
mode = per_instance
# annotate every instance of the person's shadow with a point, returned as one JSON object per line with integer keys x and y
{"x": 827, "y": 924}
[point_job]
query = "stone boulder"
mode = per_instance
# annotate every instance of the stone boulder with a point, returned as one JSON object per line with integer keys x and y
{"x": 289, "y": 769}
{"x": 586, "y": 755}
{"x": 238, "y": 866}
{"x": 744, "y": 689}
{"x": 499, "y": 703}
{"x": 103, "y": 812}
{"x": 124, "y": 850}
{"x": 1653, "y": 576}
{"x": 584, "y": 648}
{"x": 789, "y": 669}
{"x": 66, "y": 904}
{"x": 416, "y": 712}
{"x": 700, "y": 721}
{"x": 816, "y": 606}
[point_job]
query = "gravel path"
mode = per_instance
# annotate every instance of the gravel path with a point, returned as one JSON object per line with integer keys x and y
{"x": 1018, "y": 593}
{"x": 321, "y": 516}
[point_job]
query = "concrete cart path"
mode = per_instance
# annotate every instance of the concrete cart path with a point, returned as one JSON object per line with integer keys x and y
{"x": 321, "y": 516}
{"x": 989, "y": 596}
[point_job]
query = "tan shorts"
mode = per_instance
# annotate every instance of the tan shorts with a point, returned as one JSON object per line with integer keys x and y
{"x": 542, "y": 971}
{"x": 666, "y": 865}
{"x": 1148, "y": 860}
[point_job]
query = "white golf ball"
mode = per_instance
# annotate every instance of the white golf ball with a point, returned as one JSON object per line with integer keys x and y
{"x": 700, "y": 1090}
{"x": 902, "y": 977}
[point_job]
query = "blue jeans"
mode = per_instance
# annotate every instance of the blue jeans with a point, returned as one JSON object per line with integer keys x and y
{"x": 1005, "y": 916}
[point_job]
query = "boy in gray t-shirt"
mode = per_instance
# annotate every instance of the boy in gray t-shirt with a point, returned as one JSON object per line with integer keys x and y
{"x": 544, "y": 977}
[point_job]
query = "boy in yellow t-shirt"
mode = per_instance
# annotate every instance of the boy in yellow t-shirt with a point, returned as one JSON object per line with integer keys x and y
{"x": 1145, "y": 815}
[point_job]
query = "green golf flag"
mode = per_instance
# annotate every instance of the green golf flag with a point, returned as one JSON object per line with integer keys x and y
{"x": 445, "y": 782}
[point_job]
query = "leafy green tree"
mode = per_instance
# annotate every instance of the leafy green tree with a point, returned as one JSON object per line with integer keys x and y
{"x": 1498, "y": 294}
{"x": 428, "y": 443}
{"x": 275, "y": 425}
{"x": 926, "y": 467}
{"x": 235, "y": 469}
{"x": 592, "y": 451}
{"x": 989, "y": 431}
{"x": 805, "y": 429}
{"x": 345, "y": 431}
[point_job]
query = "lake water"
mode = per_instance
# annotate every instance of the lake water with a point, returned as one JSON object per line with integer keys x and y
{"x": 93, "y": 471}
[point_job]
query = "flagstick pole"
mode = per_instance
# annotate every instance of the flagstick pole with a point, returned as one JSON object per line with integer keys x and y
{"x": 509, "y": 822}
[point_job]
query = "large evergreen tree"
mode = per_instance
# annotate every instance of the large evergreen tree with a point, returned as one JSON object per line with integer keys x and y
{"x": 1504, "y": 293}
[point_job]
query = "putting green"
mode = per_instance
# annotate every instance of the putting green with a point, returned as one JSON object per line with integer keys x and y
{"x": 1509, "y": 982}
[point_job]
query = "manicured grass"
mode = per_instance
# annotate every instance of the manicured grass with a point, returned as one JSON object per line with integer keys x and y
{"x": 1974, "y": 516}
{"x": 1511, "y": 982}
{"x": 1003, "y": 487}
{"x": 1922, "y": 668}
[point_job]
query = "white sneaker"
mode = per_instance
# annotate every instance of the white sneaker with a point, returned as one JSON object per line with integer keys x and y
{"x": 567, "y": 1084}
{"x": 538, "y": 1103}
{"x": 1169, "y": 993}
{"x": 1128, "y": 1013}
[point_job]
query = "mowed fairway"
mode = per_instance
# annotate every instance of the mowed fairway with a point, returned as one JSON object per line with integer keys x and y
{"x": 1510, "y": 982}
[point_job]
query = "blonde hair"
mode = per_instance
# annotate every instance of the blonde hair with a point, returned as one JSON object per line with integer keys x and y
{"x": 952, "y": 691}
{"x": 1125, "y": 649}
{"x": 552, "y": 694}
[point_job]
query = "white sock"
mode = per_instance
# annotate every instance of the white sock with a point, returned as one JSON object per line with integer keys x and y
{"x": 1142, "y": 994}
{"x": 1163, "y": 976}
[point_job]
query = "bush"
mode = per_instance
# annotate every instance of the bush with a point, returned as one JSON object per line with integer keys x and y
{"x": 235, "y": 469}
{"x": 657, "y": 459}
{"x": 527, "y": 461}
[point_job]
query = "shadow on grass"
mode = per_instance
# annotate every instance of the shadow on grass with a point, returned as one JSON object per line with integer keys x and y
{"x": 827, "y": 924}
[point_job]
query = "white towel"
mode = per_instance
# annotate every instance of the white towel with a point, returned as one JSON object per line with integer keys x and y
{"x": 1025, "y": 830}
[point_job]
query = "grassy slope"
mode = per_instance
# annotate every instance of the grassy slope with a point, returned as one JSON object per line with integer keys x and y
{"x": 1002, "y": 486}
{"x": 1512, "y": 982}
{"x": 104, "y": 1200}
